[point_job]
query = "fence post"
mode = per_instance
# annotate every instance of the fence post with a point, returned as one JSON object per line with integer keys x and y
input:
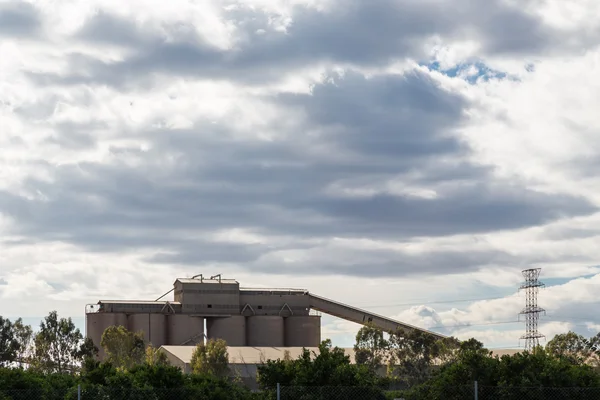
{"x": 278, "y": 392}
{"x": 79, "y": 392}
{"x": 476, "y": 389}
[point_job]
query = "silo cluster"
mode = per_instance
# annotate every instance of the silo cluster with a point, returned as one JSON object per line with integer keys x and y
{"x": 158, "y": 329}
{"x": 241, "y": 317}
{"x": 266, "y": 330}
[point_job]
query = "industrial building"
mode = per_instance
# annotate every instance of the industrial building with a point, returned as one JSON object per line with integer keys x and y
{"x": 218, "y": 308}
{"x": 244, "y": 361}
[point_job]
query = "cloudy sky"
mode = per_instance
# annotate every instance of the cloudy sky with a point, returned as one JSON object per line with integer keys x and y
{"x": 407, "y": 157}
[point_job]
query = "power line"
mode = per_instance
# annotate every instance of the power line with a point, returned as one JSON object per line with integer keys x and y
{"x": 434, "y": 302}
{"x": 516, "y": 321}
{"x": 482, "y": 324}
{"x": 424, "y": 303}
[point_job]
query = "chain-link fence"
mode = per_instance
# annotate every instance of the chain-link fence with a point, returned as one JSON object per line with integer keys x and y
{"x": 330, "y": 393}
{"x": 537, "y": 393}
{"x": 116, "y": 393}
{"x": 468, "y": 392}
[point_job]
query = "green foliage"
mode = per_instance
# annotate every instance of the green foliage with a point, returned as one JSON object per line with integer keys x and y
{"x": 211, "y": 387}
{"x": 211, "y": 358}
{"x": 435, "y": 369}
{"x": 124, "y": 349}
{"x": 329, "y": 367}
{"x": 155, "y": 357}
{"x": 24, "y": 336}
{"x": 59, "y": 346}
{"x": 576, "y": 348}
{"x": 414, "y": 356}
{"x": 19, "y": 384}
{"x": 527, "y": 369}
{"x": 9, "y": 345}
{"x": 102, "y": 380}
{"x": 371, "y": 348}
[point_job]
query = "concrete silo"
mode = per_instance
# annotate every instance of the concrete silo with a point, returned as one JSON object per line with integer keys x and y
{"x": 153, "y": 327}
{"x": 231, "y": 329}
{"x": 265, "y": 330}
{"x": 303, "y": 331}
{"x": 96, "y": 324}
{"x": 185, "y": 330}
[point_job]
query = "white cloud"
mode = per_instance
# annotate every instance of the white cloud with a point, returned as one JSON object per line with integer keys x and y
{"x": 287, "y": 144}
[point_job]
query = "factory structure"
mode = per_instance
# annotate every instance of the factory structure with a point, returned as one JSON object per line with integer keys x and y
{"x": 205, "y": 308}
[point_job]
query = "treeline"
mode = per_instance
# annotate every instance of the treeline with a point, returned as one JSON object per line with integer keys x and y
{"x": 422, "y": 367}
{"x": 104, "y": 381}
{"x": 58, "y": 346}
{"x": 56, "y": 361}
{"x": 430, "y": 368}
{"x": 416, "y": 365}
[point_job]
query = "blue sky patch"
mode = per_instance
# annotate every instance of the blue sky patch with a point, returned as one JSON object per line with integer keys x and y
{"x": 472, "y": 72}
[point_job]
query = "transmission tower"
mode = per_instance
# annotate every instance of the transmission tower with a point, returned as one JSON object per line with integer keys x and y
{"x": 532, "y": 311}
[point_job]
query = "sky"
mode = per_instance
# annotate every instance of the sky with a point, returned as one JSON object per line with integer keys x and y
{"x": 406, "y": 157}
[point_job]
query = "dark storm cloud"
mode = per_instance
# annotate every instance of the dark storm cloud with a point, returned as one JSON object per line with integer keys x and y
{"x": 406, "y": 123}
{"x": 113, "y": 29}
{"x": 377, "y": 263}
{"x": 356, "y": 32}
{"x": 18, "y": 19}
{"x": 369, "y": 131}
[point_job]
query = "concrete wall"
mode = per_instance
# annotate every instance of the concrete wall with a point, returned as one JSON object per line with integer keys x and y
{"x": 275, "y": 302}
{"x": 139, "y": 307}
{"x": 209, "y": 297}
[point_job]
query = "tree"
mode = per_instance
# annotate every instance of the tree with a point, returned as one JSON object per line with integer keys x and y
{"x": 414, "y": 355}
{"x": 371, "y": 348}
{"x": 575, "y": 348}
{"x": 211, "y": 358}
{"x": 24, "y": 336}
{"x": 124, "y": 349}
{"x": 331, "y": 366}
{"x": 155, "y": 357}
{"x": 59, "y": 345}
{"x": 509, "y": 376}
{"x": 9, "y": 345}
{"x": 594, "y": 345}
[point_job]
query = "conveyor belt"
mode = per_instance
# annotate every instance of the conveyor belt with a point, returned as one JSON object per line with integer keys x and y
{"x": 362, "y": 317}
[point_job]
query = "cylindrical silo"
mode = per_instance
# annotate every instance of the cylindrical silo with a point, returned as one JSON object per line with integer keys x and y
{"x": 265, "y": 331}
{"x": 139, "y": 323}
{"x": 303, "y": 331}
{"x": 231, "y": 329}
{"x": 185, "y": 330}
{"x": 96, "y": 324}
{"x": 157, "y": 330}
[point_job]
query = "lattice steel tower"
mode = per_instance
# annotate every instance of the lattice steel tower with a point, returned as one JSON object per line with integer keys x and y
{"x": 532, "y": 311}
